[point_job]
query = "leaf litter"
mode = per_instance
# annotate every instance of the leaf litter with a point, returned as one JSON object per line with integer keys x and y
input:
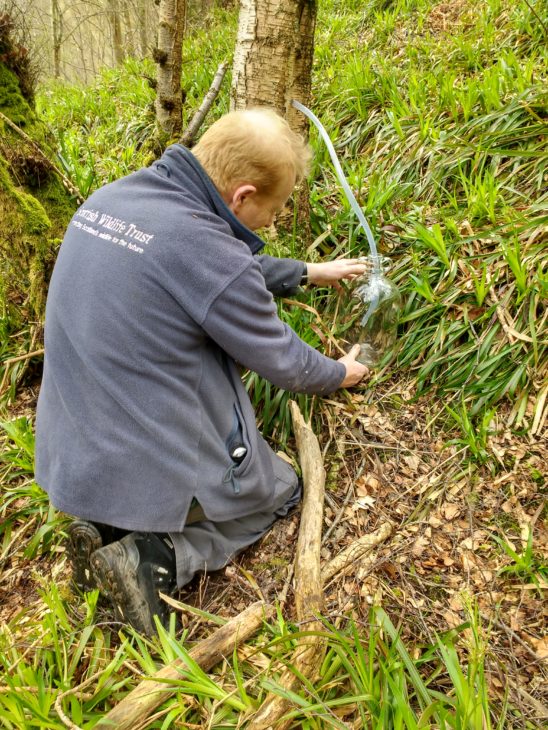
{"x": 385, "y": 461}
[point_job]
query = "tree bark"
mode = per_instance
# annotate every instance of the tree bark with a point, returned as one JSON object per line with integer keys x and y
{"x": 273, "y": 56}
{"x": 114, "y": 16}
{"x": 273, "y": 65}
{"x": 56, "y": 33}
{"x": 143, "y": 30}
{"x": 129, "y": 46}
{"x": 168, "y": 56}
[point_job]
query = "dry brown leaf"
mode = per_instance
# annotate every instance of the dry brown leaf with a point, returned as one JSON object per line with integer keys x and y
{"x": 540, "y": 646}
{"x": 434, "y": 520}
{"x": 450, "y": 510}
{"x": 474, "y": 541}
{"x": 363, "y": 503}
{"x": 412, "y": 460}
{"x": 452, "y": 619}
{"x": 419, "y": 545}
{"x": 372, "y": 481}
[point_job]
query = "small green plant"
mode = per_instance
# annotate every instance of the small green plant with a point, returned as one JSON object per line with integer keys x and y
{"x": 370, "y": 677}
{"x": 62, "y": 652}
{"x": 433, "y": 239}
{"x": 525, "y": 565}
{"x": 26, "y": 512}
{"x": 482, "y": 284}
{"x": 19, "y": 454}
{"x": 474, "y": 435}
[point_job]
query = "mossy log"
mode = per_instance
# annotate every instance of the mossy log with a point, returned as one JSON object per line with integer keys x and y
{"x": 35, "y": 210}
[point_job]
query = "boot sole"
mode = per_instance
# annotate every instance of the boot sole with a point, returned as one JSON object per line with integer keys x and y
{"x": 83, "y": 540}
{"x": 115, "y": 573}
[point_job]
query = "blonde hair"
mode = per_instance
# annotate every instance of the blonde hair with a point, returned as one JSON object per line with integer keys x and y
{"x": 255, "y": 146}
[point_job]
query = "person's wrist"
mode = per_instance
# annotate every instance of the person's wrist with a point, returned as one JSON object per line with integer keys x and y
{"x": 304, "y": 276}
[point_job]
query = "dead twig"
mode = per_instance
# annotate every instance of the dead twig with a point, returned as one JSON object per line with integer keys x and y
{"x": 205, "y": 106}
{"x": 74, "y": 690}
{"x": 12, "y": 360}
{"x": 345, "y": 561}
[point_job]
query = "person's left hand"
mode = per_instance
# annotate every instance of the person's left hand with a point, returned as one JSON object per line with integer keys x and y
{"x": 329, "y": 273}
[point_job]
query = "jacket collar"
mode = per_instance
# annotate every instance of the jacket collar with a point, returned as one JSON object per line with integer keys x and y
{"x": 179, "y": 164}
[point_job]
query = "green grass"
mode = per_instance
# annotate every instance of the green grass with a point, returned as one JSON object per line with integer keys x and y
{"x": 442, "y": 135}
{"x": 446, "y": 148}
{"x": 28, "y": 520}
{"x": 72, "y": 663}
{"x": 525, "y": 565}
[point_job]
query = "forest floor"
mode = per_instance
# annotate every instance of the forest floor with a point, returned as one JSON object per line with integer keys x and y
{"x": 444, "y": 559}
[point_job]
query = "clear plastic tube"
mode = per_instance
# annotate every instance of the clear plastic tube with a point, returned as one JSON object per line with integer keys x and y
{"x": 350, "y": 197}
{"x": 344, "y": 183}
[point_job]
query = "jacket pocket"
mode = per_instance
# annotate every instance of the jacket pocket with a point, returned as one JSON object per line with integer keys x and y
{"x": 239, "y": 451}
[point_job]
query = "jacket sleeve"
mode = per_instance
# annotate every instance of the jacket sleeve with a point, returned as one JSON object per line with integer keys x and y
{"x": 282, "y": 276}
{"x": 243, "y": 320}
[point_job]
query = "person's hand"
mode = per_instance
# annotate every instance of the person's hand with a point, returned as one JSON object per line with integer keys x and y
{"x": 355, "y": 371}
{"x": 329, "y": 273}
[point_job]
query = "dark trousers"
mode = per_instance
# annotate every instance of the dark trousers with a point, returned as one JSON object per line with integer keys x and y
{"x": 206, "y": 545}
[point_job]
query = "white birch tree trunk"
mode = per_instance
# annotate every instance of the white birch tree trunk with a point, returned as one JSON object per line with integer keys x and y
{"x": 273, "y": 56}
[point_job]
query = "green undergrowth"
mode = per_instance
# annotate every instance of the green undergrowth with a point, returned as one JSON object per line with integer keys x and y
{"x": 438, "y": 113}
{"x": 107, "y": 129}
{"x": 74, "y": 666}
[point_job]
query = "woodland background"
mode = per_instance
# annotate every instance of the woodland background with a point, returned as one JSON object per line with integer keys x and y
{"x": 438, "y": 112}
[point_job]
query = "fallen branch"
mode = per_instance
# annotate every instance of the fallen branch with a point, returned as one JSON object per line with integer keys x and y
{"x": 66, "y": 182}
{"x": 346, "y": 561}
{"x": 153, "y": 691}
{"x": 198, "y": 118}
{"x": 12, "y": 360}
{"x": 309, "y": 652}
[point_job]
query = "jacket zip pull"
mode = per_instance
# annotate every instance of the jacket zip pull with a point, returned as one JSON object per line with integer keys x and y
{"x": 229, "y": 477}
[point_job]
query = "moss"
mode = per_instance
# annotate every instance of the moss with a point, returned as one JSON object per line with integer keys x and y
{"x": 12, "y": 103}
{"x": 27, "y": 246}
{"x": 35, "y": 217}
{"x": 35, "y": 208}
{"x": 57, "y": 201}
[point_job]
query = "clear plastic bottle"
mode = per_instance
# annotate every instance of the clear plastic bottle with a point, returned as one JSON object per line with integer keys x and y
{"x": 373, "y": 311}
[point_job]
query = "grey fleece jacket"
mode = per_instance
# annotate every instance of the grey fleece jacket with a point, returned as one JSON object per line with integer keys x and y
{"x": 155, "y": 296}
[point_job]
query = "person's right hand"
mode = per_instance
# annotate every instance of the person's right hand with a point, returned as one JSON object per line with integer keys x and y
{"x": 355, "y": 371}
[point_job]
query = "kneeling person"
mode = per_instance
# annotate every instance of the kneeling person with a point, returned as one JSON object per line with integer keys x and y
{"x": 145, "y": 431}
